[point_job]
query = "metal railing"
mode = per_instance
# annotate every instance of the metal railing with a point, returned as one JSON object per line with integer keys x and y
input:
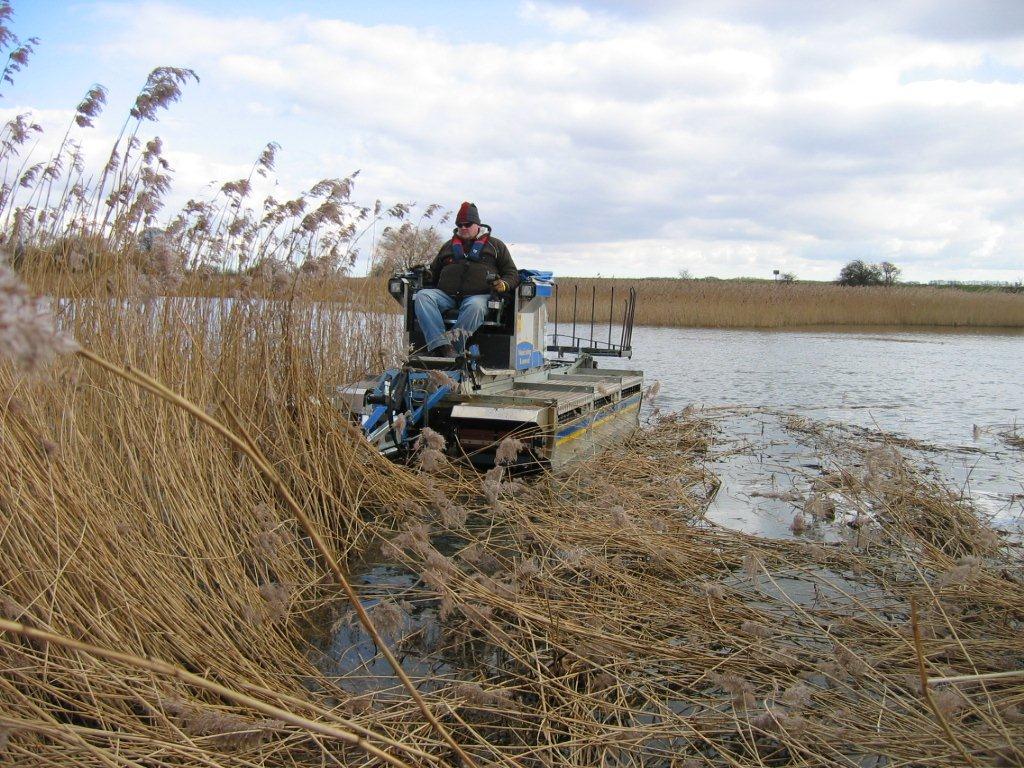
{"x": 574, "y": 343}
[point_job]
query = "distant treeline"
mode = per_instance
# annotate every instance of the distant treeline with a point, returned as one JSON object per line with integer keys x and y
{"x": 980, "y": 285}
{"x": 966, "y": 285}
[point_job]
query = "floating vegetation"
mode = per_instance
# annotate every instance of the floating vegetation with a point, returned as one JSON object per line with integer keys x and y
{"x": 667, "y": 639}
{"x": 1010, "y": 434}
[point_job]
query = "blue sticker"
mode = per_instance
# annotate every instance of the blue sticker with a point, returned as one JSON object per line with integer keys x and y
{"x": 524, "y": 355}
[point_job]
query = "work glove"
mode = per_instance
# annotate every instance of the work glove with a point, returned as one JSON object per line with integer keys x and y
{"x": 499, "y": 286}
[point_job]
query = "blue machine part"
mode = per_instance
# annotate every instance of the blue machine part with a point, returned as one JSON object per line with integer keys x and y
{"x": 370, "y": 421}
{"x": 524, "y": 356}
{"x": 542, "y": 278}
{"x": 382, "y": 388}
{"x": 415, "y": 400}
{"x": 429, "y": 402}
{"x": 545, "y": 275}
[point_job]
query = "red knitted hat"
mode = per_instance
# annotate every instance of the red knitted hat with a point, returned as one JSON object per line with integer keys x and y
{"x": 467, "y": 214}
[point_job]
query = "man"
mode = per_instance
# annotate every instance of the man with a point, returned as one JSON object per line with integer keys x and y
{"x": 465, "y": 272}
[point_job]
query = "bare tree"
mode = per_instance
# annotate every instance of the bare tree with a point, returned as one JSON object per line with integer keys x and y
{"x": 402, "y": 247}
{"x": 890, "y": 272}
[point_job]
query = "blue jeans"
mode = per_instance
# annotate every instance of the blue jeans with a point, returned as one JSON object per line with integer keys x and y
{"x": 431, "y": 303}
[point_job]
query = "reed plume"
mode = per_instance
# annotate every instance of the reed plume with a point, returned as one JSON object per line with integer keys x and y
{"x": 29, "y": 335}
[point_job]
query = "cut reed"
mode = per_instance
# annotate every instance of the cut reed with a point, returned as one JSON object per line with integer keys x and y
{"x": 586, "y": 617}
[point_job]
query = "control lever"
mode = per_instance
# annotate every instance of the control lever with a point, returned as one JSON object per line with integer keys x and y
{"x": 469, "y": 362}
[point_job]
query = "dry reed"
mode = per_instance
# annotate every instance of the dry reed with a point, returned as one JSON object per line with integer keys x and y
{"x": 589, "y": 617}
{"x": 718, "y": 304}
{"x": 740, "y": 304}
{"x": 649, "y": 638}
{"x": 157, "y": 595}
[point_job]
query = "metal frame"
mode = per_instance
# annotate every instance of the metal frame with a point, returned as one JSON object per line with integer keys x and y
{"x": 589, "y": 345}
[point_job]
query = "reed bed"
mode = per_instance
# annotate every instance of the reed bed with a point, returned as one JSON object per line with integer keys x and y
{"x": 739, "y": 304}
{"x": 711, "y": 304}
{"x": 586, "y": 619}
{"x": 130, "y": 526}
{"x": 186, "y": 511}
{"x": 607, "y": 625}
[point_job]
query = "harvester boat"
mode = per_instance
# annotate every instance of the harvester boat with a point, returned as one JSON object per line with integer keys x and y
{"x": 552, "y": 399}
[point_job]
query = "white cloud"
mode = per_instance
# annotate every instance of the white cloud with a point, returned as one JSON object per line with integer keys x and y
{"x": 560, "y": 19}
{"x": 724, "y": 142}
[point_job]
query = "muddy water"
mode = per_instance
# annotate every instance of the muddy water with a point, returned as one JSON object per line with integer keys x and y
{"x": 955, "y": 398}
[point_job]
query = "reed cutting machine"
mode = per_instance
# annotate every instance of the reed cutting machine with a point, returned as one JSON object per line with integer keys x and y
{"x": 518, "y": 378}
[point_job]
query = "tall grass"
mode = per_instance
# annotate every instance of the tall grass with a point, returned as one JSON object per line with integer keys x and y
{"x": 70, "y": 226}
{"x": 587, "y": 618}
{"x": 739, "y": 304}
{"x": 131, "y": 527}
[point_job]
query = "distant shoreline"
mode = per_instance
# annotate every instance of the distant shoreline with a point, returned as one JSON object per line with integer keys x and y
{"x": 662, "y": 302}
{"x": 767, "y": 305}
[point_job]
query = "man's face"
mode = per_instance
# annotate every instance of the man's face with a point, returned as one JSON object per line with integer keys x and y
{"x": 468, "y": 231}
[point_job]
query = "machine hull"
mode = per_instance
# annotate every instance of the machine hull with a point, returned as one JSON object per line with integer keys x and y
{"x": 500, "y": 384}
{"x": 586, "y": 408}
{"x": 560, "y": 412}
{"x": 606, "y": 426}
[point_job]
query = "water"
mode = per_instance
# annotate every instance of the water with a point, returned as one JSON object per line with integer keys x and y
{"x": 349, "y": 654}
{"x": 932, "y": 388}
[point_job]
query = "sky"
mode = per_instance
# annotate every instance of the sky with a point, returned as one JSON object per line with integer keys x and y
{"x": 632, "y": 139}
